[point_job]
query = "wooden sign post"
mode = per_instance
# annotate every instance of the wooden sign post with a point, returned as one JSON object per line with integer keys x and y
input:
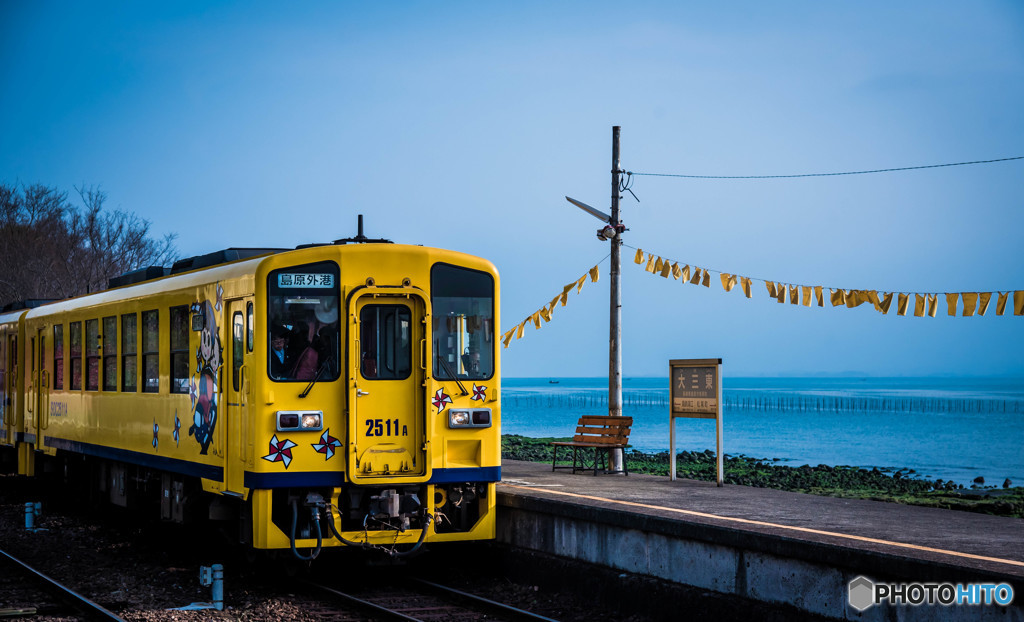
{"x": 696, "y": 394}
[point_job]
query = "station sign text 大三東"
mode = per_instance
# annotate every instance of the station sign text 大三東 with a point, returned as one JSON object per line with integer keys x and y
{"x": 695, "y": 388}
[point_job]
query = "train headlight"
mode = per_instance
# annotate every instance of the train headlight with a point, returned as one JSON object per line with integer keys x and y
{"x": 300, "y": 420}
{"x": 469, "y": 418}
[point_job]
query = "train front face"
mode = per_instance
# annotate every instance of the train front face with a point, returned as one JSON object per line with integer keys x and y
{"x": 376, "y": 418}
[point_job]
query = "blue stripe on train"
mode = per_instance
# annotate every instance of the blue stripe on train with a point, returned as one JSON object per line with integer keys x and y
{"x": 160, "y": 463}
{"x": 298, "y": 479}
{"x": 473, "y": 474}
{"x": 302, "y": 479}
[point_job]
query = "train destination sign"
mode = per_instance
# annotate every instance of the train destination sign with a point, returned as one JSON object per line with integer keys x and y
{"x": 305, "y": 279}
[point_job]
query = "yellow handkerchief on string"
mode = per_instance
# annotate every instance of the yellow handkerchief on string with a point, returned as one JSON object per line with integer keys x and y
{"x": 919, "y": 305}
{"x": 885, "y": 303}
{"x": 983, "y": 301}
{"x": 951, "y": 300}
{"x": 1001, "y": 302}
{"x": 838, "y": 297}
{"x": 970, "y": 303}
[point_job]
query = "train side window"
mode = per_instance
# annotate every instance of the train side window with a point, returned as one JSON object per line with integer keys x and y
{"x": 109, "y": 353}
{"x": 179, "y": 349}
{"x": 237, "y": 335}
{"x": 129, "y": 348}
{"x": 251, "y": 337}
{"x": 75, "y": 333}
{"x": 151, "y": 351}
{"x": 92, "y": 355}
{"x": 58, "y": 356}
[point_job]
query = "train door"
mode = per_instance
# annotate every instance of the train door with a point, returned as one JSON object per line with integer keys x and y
{"x": 6, "y": 401}
{"x": 236, "y": 429}
{"x": 31, "y": 372}
{"x": 41, "y": 380}
{"x": 387, "y": 418}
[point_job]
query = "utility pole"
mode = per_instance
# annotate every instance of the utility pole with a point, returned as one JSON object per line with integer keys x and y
{"x": 615, "y": 306}
{"x": 612, "y": 231}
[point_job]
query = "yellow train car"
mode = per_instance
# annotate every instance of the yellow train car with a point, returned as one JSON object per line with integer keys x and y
{"x": 332, "y": 395}
{"x": 16, "y": 439}
{"x": 11, "y": 403}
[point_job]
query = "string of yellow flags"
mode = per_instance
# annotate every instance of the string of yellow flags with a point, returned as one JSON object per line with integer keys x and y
{"x": 974, "y": 303}
{"x": 544, "y": 313}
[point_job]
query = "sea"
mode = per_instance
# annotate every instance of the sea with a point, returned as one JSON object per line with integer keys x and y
{"x": 955, "y": 429}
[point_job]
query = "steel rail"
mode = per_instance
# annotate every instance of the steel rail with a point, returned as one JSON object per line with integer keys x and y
{"x": 366, "y": 604}
{"x": 77, "y": 599}
{"x": 449, "y": 591}
{"x": 485, "y": 601}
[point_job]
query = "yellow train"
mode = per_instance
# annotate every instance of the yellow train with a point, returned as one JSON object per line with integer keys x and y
{"x": 344, "y": 394}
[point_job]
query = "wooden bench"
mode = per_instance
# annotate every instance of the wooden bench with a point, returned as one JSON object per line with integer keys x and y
{"x": 603, "y": 434}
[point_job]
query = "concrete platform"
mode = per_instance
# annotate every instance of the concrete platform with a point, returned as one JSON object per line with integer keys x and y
{"x": 758, "y": 543}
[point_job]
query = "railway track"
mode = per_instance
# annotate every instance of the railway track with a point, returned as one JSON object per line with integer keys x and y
{"x": 417, "y": 600}
{"x": 28, "y": 592}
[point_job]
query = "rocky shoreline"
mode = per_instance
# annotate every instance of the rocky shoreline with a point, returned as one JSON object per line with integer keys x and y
{"x": 900, "y": 486}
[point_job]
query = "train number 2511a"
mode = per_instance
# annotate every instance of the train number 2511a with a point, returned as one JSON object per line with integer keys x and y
{"x": 385, "y": 427}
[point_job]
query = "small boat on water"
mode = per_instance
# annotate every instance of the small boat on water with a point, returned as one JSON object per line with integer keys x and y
{"x": 552, "y": 382}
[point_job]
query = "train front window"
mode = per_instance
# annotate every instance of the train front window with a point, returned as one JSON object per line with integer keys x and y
{"x": 463, "y": 322}
{"x": 303, "y": 327}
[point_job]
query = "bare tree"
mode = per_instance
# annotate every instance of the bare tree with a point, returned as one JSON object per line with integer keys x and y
{"x": 50, "y": 248}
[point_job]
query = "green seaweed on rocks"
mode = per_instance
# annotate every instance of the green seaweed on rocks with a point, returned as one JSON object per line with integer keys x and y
{"x": 902, "y": 486}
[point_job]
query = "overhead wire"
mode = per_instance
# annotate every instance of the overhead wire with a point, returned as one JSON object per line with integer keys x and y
{"x": 880, "y": 170}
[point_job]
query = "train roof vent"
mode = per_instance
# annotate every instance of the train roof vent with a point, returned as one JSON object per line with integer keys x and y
{"x": 137, "y": 276}
{"x": 362, "y": 239}
{"x": 28, "y": 303}
{"x": 219, "y": 257}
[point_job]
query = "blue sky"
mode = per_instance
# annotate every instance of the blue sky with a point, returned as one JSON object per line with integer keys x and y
{"x": 463, "y": 125}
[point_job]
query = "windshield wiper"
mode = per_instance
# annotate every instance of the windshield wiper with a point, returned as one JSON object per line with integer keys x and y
{"x": 319, "y": 371}
{"x": 448, "y": 370}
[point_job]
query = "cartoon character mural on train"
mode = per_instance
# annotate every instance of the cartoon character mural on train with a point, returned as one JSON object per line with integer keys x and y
{"x": 203, "y": 384}
{"x": 317, "y": 397}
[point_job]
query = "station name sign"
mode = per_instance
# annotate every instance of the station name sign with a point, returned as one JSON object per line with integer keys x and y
{"x": 695, "y": 387}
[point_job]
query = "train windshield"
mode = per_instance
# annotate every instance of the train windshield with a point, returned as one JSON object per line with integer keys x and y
{"x": 303, "y": 324}
{"x": 463, "y": 307}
